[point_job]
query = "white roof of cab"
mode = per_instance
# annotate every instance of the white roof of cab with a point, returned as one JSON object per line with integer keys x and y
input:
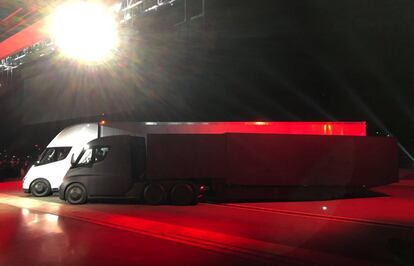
{"x": 81, "y": 134}
{"x": 75, "y": 135}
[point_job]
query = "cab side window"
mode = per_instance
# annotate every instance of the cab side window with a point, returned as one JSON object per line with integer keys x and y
{"x": 86, "y": 157}
{"x": 100, "y": 154}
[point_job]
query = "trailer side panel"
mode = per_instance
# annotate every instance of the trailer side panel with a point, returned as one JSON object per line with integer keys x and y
{"x": 286, "y": 160}
{"x": 185, "y": 156}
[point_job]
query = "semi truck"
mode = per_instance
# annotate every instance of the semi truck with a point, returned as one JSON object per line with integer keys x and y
{"x": 180, "y": 168}
{"x": 46, "y": 175}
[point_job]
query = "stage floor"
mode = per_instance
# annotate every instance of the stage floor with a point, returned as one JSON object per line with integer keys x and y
{"x": 376, "y": 229}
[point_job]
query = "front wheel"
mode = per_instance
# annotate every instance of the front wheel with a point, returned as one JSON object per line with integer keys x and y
{"x": 40, "y": 188}
{"x": 76, "y": 194}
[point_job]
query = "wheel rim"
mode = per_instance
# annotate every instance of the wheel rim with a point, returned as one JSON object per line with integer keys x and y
{"x": 40, "y": 188}
{"x": 75, "y": 194}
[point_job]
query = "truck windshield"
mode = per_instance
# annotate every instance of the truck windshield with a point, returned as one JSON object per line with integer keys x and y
{"x": 50, "y": 155}
{"x": 92, "y": 155}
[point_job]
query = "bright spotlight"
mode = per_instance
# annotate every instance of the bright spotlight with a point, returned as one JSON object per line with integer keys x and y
{"x": 86, "y": 31}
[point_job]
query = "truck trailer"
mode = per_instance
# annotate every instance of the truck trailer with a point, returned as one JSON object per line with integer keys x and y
{"x": 180, "y": 168}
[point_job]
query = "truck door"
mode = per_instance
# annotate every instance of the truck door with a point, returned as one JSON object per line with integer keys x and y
{"x": 109, "y": 170}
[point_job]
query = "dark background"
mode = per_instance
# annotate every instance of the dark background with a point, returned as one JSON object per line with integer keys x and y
{"x": 239, "y": 60}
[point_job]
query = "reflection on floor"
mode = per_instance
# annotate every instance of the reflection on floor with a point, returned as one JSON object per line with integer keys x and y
{"x": 371, "y": 230}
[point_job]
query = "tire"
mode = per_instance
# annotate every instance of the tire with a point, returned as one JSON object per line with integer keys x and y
{"x": 40, "y": 188}
{"x": 76, "y": 194}
{"x": 182, "y": 194}
{"x": 154, "y": 194}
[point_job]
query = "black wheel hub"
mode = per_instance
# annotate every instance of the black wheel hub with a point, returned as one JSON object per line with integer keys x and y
{"x": 75, "y": 193}
{"x": 40, "y": 187}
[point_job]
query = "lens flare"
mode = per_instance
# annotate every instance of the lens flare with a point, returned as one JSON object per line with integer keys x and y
{"x": 86, "y": 31}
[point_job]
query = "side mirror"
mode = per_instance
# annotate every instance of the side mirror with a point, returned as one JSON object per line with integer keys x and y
{"x": 72, "y": 159}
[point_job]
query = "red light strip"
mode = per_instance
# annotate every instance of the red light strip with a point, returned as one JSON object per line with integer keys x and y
{"x": 289, "y": 128}
{"x": 24, "y": 38}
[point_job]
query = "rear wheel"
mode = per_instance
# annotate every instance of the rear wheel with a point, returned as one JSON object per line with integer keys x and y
{"x": 154, "y": 194}
{"x": 76, "y": 194}
{"x": 40, "y": 188}
{"x": 183, "y": 194}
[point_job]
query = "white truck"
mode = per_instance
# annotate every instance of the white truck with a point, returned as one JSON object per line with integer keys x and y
{"x": 46, "y": 175}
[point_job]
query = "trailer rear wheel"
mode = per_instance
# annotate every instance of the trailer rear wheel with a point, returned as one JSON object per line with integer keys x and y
{"x": 154, "y": 194}
{"x": 182, "y": 194}
{"x": 76, "y": 194}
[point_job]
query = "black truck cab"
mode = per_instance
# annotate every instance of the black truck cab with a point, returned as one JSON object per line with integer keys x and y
{"x": 105, "y": 168}
{"x": 115, "y": 167}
